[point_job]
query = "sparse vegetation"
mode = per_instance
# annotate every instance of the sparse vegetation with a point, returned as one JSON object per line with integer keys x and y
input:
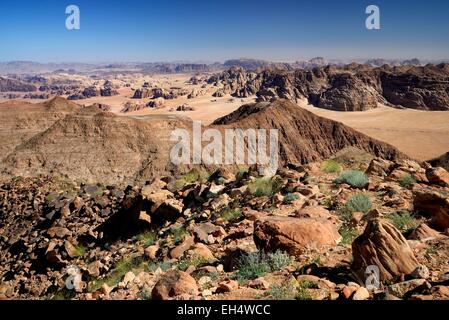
{"x": 359, "y": 203}
{"x": 348, "y": 235}
{"x": 404, "y": 220}
{"x": 284, "y": 292}
{"x": 159, "y": 264}
{"x": 190, "y": 178}
{"x": 354, "y": 178}
{"x": 178, "y": 234}
{"x": 290, "y": 198}
{"x": 262, "y": 187}
{"x": 407, "y": 181}
{"x": 257, "y": 264}
{"x": 147, "y": 238}
{"x": 303, "y": 290}
{"x": 231, "y": 215}
{"x": 432, "y": 249}
{"x": 81, "y": 250}
{"x": 133, "y": 263}
{"x": 331, "y": 166}
{"x": 196, "y": 262}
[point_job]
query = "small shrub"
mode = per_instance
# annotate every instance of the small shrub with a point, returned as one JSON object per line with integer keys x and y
{"x": 196, "y": 262}
{"x": 257, "y": 264}
{"x": 261, "y": 187}
{"x": 407, "y": 181}
{"x": 303, "y": 290}
{"x": 191, "y": 177}
{"x": 354, "y": 178}
{"x": 290, "y": 198}
{"x": 432, "y": 249}
{"x": 251, "y": 266}
{"x": 159, "y": 264}
{"x": 147, "y": 239}
{"x": 348, "y": 235}
{"x": 133, "y": 263}
{"x": 145, "y": 294}
{"x": 285, "y": 292}
{"x": 403, "y": 221}
{"x": 230, "y": 215}
{"x": 178, "y": 234}
{"x": 278, "y": 260}
{"x": 331, "y": 166}
{"x": 345, "y": 213}
{"x": 81, "y": 250}
{"x": 359, "y": 203}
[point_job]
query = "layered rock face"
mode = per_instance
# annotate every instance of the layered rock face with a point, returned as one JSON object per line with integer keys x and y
{"x": 350, "y": 88}
{"x": 9, "y": 85}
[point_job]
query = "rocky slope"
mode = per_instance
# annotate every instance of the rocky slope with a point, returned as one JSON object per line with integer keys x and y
{"x": 303, "y": 136}
{"x": 88, "y": 144}
{"x": 299, "y": 235}
{"x": 93, "y": 145}
{"x": 21, "y": 121}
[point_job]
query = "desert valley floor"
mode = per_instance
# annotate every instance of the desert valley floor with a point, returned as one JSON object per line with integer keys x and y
{"x": 422, "y": 135}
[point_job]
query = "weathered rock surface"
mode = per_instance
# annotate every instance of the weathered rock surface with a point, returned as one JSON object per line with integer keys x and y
{"x": 174, "y": 283}
{"x": 294, "y": 235}
{"x": 434, "y": 203}
{"x": 382, "y": 245}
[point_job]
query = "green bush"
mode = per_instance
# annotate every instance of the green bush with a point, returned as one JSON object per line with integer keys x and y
{"x": 407, "y": 181}
{"x": 251, "y": 266}
{"x": 147, "y": 238}
{"x": 284, "y": 292}
{"x": 264, "y": 187}
{"x": 196, "y": 262}
{"x": 348, "y": 235}
{"x": 354, "y": 178}
{"x": 278, "y": 260}
{"x": 257, "y": 264}
{"x": 359, "y": 203}
{"x": 303, "y": 293}
{"x": 230, "y": 215}
{"x": 178, "y": 234}
{"x": 290, "y": 198}
{"x": 403, "y": 221}
{"x": 331, "y": 166}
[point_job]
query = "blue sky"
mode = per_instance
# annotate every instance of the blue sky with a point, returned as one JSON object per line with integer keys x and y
{"x": 196, "y": 30}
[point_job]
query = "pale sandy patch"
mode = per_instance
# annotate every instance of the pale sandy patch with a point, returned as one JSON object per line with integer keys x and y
{"x": 423, "y": 135}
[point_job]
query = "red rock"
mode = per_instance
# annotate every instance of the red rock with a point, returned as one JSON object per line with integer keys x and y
{"x": 438, "y": 176}
{"x": 294, "y": 235}
{"x": 174, "y": 283}
{"x": 382, "y": 245}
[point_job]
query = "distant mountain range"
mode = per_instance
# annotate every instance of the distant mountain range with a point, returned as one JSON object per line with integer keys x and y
{"x": 29, "y": 67}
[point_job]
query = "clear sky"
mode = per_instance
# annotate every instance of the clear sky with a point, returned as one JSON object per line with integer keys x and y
{"x": 212, "y": 30}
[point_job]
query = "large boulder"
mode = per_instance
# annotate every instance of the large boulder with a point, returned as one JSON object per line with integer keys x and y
{"x": 382, "y": 245}
{"x": 434, "y": 203}
{"x": 438, "y": 176}
{"x": 174, "y": 283}
{"x": 295, "y": 235}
